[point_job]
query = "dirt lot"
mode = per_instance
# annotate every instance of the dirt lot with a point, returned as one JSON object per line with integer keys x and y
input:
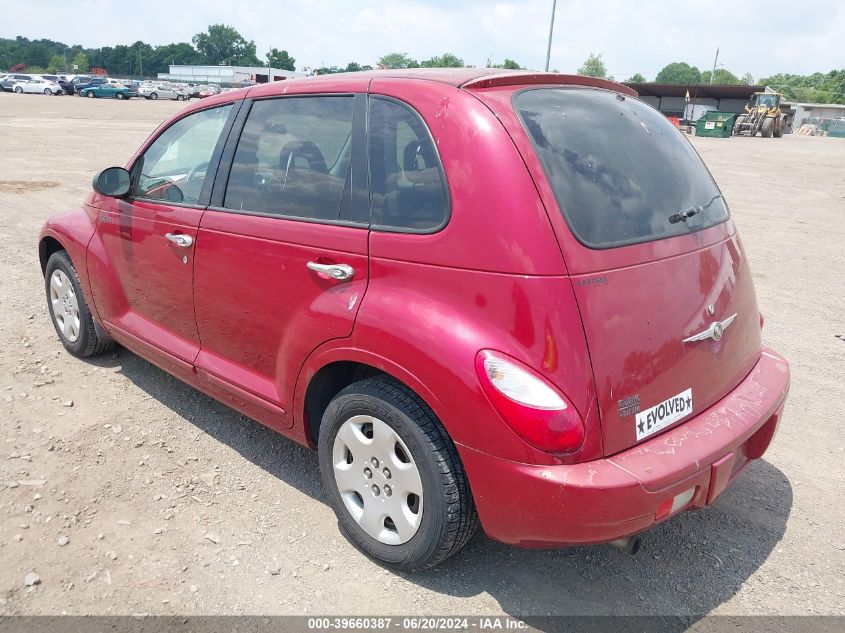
{"x": 127, "y": 492}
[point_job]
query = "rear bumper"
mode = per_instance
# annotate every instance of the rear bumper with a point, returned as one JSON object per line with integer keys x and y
{"x": 615, "y": 497}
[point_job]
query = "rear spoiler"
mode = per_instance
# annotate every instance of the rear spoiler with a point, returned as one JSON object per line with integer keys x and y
{"x": 523, "y": 78}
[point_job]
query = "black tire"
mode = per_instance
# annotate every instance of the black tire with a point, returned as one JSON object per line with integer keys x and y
{"x": 180, "y": 97}
{"x": 48, "y": 92}
{"x": 89, "y": 342}
{"x": 778, "y": 131}
{"x": 738, "y": 124}
{"x": 120, "y": 96}
{"x": 767, "y": 128}
{"x": 449, "y": 517}
{"x": 19, "y": 90}
{"x": 153, "y": 96}
{"x": 90, "y": 93}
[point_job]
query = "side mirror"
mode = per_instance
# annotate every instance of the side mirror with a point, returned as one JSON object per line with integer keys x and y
{"x": 113, "y": 182}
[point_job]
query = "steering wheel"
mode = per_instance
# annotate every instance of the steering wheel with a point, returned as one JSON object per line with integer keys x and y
{"x": 201, "y": 168}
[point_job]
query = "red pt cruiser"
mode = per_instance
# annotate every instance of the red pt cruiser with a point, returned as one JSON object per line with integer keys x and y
{"x": 509, "y": 298}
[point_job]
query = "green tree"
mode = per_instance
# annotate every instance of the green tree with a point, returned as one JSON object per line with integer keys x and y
{"x": 80, "y": 60}
{"x": 281, "y": 59}
{"x": 508, "y": 63}
{"x": 397, "y": 60}
{"x": 353, "y": 67}
{"x": 747, "y": 79}
{"x": 678, "y": 73}
{"x": 593, "y": 66}
{"x": 164, "y": 56}
{"x": 636, "y": 78}
{"x": 721, "y": 76}
{"x": 222, "y": 44}
{"x": 57, "y": 63}
{"x": 446, "y": 60}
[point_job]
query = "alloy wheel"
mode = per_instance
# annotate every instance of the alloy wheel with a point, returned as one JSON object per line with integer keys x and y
{"x": 378, "y": 480}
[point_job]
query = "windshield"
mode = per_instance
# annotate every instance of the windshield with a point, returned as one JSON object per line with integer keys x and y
{"x": 621, "y": 173}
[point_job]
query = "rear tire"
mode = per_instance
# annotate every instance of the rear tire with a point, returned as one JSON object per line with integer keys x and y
{"x": 154, "y": 96}
{"x": 90, "y": 94}
{"x": 767, "y": 128}
{"x": 69, "y": 310}
{"x": 120, "y": 96}
{"x": 180, "y": 97}
{"x": 19, "y": 90}
{"x": 419, "y": 452}
{"x": 48, "y": 92}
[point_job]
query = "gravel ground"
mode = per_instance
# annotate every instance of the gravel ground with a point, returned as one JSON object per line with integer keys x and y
{"x": 124, "y": 491}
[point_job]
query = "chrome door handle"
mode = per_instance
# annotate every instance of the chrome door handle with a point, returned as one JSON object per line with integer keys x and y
{"x": 179, "y": 239}
{"x": 341, "y": 272}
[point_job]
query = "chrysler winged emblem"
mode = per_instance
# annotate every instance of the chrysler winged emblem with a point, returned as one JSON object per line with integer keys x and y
{"x": 715, "y": 331}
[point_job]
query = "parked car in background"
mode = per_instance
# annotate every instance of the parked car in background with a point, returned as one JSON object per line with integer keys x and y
{"x": 161, "y": 91}
{"x": 38, "y": 86}
{"x": 8, "y": 82}
{"x": 308, "y": 253}
{"x": 73, "y": 85}
{"x": 89, "y": 83}
{"x": 206, "y": 91}
{"x": 108, "y": 91}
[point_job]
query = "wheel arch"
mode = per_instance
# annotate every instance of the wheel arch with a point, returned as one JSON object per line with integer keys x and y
{"x": 326, "y": 372}
{"x": 48, "y": 245}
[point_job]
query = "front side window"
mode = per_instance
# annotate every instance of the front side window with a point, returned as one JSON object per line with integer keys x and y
{"x": 621, "y": 173}
{"x": 174, "y": 167}
{"x": 408, "y": 188}
{"x": 294, "y": 159}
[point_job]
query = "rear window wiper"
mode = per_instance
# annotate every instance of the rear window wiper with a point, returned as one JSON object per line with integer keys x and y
{"x": 681, "y": 216}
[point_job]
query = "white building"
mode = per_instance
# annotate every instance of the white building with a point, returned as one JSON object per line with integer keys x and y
{"x": 226, "y": 75}
{"x": 806, "y": 112}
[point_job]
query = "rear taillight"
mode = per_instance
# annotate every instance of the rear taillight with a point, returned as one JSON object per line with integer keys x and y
{"x": 531, "y": 406}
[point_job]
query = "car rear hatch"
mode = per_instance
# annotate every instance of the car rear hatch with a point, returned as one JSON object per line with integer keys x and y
{"x": 662, "y": 282}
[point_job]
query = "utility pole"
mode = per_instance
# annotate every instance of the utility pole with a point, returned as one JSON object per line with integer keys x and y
{"x": 140, "y": 65}
{"x": 714, "y": 66}
{"x": 551, "y": 31}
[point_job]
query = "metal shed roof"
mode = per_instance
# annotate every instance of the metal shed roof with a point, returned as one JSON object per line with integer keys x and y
{"x": 696, "y": 91}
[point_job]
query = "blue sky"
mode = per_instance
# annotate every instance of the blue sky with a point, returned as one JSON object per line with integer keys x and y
{"x": 757, "y": 36}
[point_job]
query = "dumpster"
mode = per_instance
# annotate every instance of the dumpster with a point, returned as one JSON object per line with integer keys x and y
{"x": 718, "y": 124}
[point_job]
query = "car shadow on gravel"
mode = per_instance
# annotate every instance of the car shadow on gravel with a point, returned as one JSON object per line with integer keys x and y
{"x": 687, "y": 566}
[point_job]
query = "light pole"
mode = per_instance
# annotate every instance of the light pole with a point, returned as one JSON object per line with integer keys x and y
{"x": 551, "y": 31}
{"x": 714, "y": 66}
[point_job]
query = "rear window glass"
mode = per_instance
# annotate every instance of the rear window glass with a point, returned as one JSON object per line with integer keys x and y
{"x": 621, "y": 173}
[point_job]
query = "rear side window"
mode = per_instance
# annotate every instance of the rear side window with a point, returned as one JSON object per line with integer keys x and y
{"x": 621, "y": 173}
{"x": 293, "y": 158}
{"x": 407, "y": 185}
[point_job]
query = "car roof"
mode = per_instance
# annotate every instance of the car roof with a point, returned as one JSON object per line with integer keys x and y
{"x": 466, "y": 78}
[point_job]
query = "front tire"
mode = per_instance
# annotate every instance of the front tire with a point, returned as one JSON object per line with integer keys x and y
{"x": 48, "y": 92}
{"x": 154, "y": 96}
{"x": 767, "y": 128}
{"x": 90, "y": 94}
{"x": 120, "y": 96}
{"x": 180, "y": 97}
{"x": 19, "y": 90}
{"x": 393, "y": 476}
{"x": 69, "y": 310}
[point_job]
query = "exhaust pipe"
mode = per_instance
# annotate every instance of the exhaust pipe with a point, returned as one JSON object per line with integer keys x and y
{"x": 631, "y": 544}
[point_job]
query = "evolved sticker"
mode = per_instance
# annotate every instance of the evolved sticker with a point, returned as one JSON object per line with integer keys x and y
{"x": 664, "y": 414}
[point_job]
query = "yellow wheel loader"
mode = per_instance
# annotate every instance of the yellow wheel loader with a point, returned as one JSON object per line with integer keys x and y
{"x": 763, "y": 115}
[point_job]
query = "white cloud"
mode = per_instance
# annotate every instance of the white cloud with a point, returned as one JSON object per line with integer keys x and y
{"x": 757, "y": 36}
